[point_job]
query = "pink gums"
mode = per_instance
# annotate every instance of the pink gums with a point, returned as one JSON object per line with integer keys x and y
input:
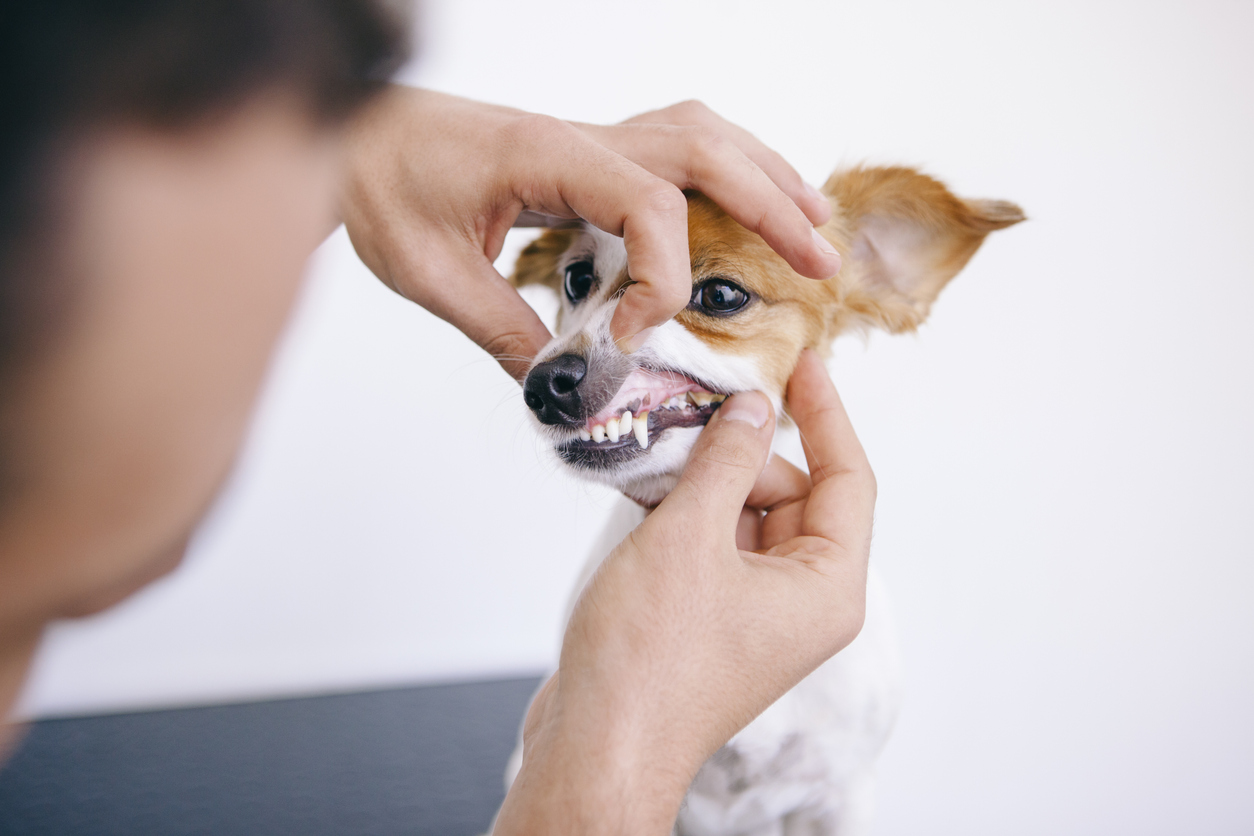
{"x": 644, "y": 390}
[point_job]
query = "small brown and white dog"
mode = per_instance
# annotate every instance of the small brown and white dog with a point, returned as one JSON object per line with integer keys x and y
{"x": 805, "y": 766}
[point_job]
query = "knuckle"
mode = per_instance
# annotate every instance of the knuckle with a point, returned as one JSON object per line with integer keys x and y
{"x": 705, "y": 143}
{"x": 534, "y": 129}
{"x": 663, "y": 198}
{"x": 692, "y": 109}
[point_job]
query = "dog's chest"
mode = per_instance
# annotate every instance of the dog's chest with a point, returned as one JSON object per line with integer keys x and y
{"x": 812, "y": 747}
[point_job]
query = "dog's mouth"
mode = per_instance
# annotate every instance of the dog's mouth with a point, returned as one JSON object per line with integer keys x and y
{"x": 649, "y": 402}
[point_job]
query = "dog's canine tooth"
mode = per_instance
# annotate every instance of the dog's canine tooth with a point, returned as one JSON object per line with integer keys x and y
{"x": 701, "y": 398}
{"x": 641, "y": 426}
{"x": 584, "y": 435}
{"x": 717, "y": 398}
{"x": 598, "y": 433}
{"x": 611, "y": 430}
{"x": 624, "y": 424}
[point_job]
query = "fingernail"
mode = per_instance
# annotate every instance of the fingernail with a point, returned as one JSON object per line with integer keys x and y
{"x": 826, "y": 246}
{"x": 630, "y": 345}
{"x": 823, "y": 244}
{"x": 751, "y": 407}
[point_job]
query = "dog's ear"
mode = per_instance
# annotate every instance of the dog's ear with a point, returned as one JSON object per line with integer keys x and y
{"x": 537, "y": 264}
{"x": 907, "y": 236}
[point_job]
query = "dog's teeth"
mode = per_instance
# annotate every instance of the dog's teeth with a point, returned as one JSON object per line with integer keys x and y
{"x": 611, "y": 430}
{"x": 584, "y": 435}
{"x": 598, "y": 433}
{"x": 624, "y": 425}
{"x": 641, "y": 427}
{"x": 701, "y": 398}
{"x": 717, "y": 398}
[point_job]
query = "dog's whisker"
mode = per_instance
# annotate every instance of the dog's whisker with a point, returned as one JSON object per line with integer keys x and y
{"x": 810, "y": 449}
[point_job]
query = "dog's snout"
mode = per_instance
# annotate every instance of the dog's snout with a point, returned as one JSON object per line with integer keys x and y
{"x": 551, "y": 390}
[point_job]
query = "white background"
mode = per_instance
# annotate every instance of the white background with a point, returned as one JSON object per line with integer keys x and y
{"x": 1064, "y": 453}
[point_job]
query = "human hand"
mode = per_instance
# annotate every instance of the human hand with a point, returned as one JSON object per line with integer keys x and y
{"x": 681, "y": 638}
{"x": 434, "y": 183}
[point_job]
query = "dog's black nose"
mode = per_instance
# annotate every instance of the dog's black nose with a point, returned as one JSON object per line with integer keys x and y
{"x": 552, "y": 390}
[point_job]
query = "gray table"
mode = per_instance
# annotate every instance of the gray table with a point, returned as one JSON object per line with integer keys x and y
{"x": 409, "y": 761}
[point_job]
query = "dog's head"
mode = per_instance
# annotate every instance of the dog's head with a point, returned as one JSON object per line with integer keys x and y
{"x": 630, "y": 420}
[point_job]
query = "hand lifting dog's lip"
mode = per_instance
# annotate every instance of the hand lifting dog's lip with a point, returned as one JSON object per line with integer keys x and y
{"x": 630, "y": 420}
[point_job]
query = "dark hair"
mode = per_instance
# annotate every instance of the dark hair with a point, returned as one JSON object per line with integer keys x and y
{"x": 66, "y": 65}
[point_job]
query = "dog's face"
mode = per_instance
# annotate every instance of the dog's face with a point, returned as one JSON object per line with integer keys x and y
{"x": 630, "y": 420}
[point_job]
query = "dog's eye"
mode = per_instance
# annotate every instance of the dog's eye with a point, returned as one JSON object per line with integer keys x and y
{"x": 719, "y": 297}
{"x": 579, "y": 281}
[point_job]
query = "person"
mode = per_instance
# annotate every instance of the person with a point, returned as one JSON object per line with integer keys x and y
{"x": 167, "y": 168}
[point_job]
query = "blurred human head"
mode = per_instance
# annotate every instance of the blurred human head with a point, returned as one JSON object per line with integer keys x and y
{"x": 167, "y": 167}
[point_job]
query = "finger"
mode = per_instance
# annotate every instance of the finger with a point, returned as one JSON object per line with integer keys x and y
{"x": 809, "y": 199}
{"x": 781, "y": 483}
{"x": 656, "y": 239}
{"x": 702, "y": 159}
{"x": 618, "y": 196}
{"x": 781, "y": 491}
{"x": 724, "y": 464}
{"x": 781, "y": 525}
{"x": 843, "y": 497}
{"x": 749, "y": 530}
{"x": 482, "y": 304}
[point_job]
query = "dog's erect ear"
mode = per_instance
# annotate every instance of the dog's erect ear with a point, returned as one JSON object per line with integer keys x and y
{"x": 909, "y": 236}
{"x": 537, "y": 264}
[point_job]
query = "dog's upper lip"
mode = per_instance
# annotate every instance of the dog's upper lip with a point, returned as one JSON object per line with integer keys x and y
{"x": 647, "y": 388}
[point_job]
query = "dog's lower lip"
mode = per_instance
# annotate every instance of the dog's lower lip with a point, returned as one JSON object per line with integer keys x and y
{"x": 584, "y": 453}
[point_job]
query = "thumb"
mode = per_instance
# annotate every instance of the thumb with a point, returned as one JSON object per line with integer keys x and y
{"x": 459, "y": 285}
{"x": 726, "y": 461}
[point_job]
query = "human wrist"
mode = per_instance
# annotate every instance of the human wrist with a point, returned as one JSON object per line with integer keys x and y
{"x": 591, "y": 777}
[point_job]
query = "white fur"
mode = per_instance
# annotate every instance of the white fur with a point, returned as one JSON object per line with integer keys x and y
{"x": 650, "y": 478}
{"x": 805, "y": 765}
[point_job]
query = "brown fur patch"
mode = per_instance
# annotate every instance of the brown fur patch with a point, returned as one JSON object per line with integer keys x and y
{"x": 901, "y": 235}
{"x": 537, "y": 264}
{"x": 946, "y": 231}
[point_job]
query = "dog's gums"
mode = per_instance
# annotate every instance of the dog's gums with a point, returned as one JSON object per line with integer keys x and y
{"x": 648, "y": 403}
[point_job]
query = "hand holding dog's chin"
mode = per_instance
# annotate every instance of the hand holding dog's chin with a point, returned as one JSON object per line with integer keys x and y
{"x": 681, "y": 638}
{"x": 434, "y": 182}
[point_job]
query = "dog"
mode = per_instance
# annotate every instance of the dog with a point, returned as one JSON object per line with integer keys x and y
{"x": 805, "y": 765}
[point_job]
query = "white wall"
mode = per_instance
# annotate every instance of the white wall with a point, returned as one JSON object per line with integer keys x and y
{"x": 1064, "y": 453}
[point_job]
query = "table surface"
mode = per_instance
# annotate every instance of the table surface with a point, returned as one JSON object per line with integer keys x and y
{"x": 411, "y": 761}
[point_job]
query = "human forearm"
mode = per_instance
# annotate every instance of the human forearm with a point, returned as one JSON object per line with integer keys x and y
{"x": 592, "y": 782}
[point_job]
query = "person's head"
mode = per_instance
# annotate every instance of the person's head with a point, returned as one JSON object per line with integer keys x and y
{"x": 165, "y": 169}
